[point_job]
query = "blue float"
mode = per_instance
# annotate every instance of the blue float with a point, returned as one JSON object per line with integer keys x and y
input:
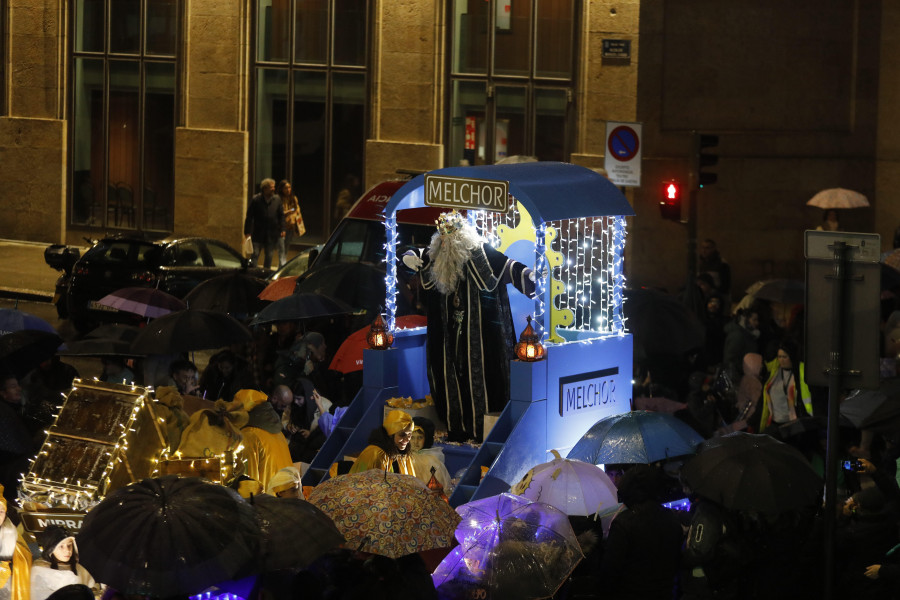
{"x": 569, "y": 222}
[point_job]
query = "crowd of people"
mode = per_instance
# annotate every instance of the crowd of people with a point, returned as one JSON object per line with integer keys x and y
{"x": 748, "y": 375}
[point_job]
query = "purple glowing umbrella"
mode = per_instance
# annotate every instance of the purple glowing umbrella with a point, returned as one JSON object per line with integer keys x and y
{"x": 510, "y": 547}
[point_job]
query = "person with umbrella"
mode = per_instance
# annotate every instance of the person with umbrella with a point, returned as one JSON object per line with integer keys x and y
{"x": 428, "y": 461}
{"x": 183, "y": 375}
{"x": 741, "y": 338}
{"x": 786, "y": 397}
{"x": 17, "y": 443}
{"x": 711, "y": 262}
{"x": 44, "y": 388}
{"x": 388, "y": 448}
{"x": 830, "y": 221}
{"x": 224, "y": 375}
{"x": 643, "y": 549}
{"x": 286, "y": 483}
{"x": 15, "y": 559}
{"x": 58, "y": 565}
{"x": 265, "y": 447}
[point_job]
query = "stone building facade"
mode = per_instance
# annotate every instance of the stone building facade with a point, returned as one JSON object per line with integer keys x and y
{"x": 803, "y": 96}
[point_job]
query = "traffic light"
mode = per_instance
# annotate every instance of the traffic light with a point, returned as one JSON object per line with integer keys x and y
{"x": 703, "y": 160}
{"x": 670, "y": 202}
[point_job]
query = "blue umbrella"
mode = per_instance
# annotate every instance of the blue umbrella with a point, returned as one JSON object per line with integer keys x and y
{"x": 12, "y": 319}
{"x": 637, "y": 437}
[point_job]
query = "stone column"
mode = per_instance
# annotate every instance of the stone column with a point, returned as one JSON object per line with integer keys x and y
{"x": 32, "y": 132}
{"x": 407, "y": 88}
{"x": 211, "y": 149}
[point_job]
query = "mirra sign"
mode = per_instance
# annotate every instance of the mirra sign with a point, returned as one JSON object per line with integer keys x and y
{"x": 462, "y": 193}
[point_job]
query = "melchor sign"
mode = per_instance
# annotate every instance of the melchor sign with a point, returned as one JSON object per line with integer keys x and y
{"x": 462, "y": 193}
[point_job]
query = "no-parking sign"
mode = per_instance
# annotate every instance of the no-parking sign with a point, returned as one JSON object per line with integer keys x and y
{"x": 623, "y": 153}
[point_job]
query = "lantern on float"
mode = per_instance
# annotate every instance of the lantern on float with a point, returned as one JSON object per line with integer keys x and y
{"x": 379, "y": 338}
{"x": 529, "y": 348}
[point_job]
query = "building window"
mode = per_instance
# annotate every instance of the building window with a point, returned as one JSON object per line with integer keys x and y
{"x": 511, "y": 79}
{"x": 310, "y": 115}
{"x": 123, "y": 99}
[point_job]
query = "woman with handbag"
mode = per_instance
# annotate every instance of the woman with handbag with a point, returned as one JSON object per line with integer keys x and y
{"x": 293, "y": 220}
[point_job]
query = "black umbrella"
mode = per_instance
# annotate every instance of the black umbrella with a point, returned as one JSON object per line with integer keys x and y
{"x": 301, "y": 306}
{"x": 73, "y": 591}
{"x": 234, "y": 293}
{"x": 114, "y": 331}
{"x": 661, "y": 324}
{"x": 99, "y": 347}
{"x": 188, "y": 330}
{"x": 745, "y": 471}
{"x": 358, "y": 284}
{"x": 25, "y": 349}
{"x": 295, "y": 532}
{"x": 786, "y": 291}
{"x": 169, "y": 536}
{"x": 878, "y": 410}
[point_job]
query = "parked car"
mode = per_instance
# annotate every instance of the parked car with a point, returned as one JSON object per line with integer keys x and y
{"x": 114, "y": 262}
{"x": 350, "y": 266}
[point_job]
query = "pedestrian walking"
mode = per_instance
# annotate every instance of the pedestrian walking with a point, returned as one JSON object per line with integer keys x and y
{"x": 264, "y": 223}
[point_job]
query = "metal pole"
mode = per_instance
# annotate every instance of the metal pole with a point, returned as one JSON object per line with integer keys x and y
{"x": 692, "y": 237}
{"x": 835, "y": 385}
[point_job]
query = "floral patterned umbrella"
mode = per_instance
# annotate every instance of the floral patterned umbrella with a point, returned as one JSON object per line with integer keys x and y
{"x": 386, "y": 513}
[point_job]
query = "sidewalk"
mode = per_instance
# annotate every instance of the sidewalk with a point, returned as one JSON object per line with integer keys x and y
{"x": 23, "y": 273}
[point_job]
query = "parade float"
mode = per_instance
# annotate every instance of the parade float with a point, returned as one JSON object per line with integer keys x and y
{"x": 573, "y": 362}
{"x": 105, "y": 437}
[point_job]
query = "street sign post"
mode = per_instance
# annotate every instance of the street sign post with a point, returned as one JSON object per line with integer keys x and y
{"x": 843, "y": 287}
{"x": 623, "y": 153}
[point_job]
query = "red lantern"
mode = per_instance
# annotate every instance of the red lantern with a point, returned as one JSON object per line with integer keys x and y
{"x": 529, "y": 348}
{"x": 379, "y": 338}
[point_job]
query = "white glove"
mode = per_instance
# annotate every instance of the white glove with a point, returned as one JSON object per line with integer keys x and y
{"x": 412, "y": 260}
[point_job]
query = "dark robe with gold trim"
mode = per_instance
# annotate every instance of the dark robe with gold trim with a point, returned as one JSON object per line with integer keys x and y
{"x": 471, "y": 339}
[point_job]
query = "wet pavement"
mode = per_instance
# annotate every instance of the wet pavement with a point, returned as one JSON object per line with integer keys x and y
{"x": 23, "y": 273}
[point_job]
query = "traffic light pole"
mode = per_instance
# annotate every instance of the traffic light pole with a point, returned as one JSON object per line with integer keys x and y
{"x": 692, "y": 234}
{"x": 693, "y": 186}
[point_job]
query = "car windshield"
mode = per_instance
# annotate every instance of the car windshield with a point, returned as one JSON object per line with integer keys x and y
{"x": 363, "y": 241}
{"x": 131, "y": 252}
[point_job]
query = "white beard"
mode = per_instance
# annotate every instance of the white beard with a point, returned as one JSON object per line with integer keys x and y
{"x": 449, "y": 254}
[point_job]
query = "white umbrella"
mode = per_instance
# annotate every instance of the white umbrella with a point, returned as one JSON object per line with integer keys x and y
{"x": 835, "y": 198}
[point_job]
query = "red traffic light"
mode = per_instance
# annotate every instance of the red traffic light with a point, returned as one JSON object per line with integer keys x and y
{"x": 672, "y": 191}
{"x": 670, "y": 203}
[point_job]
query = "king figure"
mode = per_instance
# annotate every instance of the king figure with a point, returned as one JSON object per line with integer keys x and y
{"x": 470, "y": 335}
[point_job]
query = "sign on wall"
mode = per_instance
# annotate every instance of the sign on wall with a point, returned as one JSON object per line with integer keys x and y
{"x": 623, "y": 153}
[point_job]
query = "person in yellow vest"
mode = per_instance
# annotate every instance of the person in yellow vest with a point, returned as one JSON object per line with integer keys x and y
{"x": 15, "y": 559}
{"x": 265, "y": 448}
{"x": 786, "y": 396}
{"x": 388, "y": 448}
